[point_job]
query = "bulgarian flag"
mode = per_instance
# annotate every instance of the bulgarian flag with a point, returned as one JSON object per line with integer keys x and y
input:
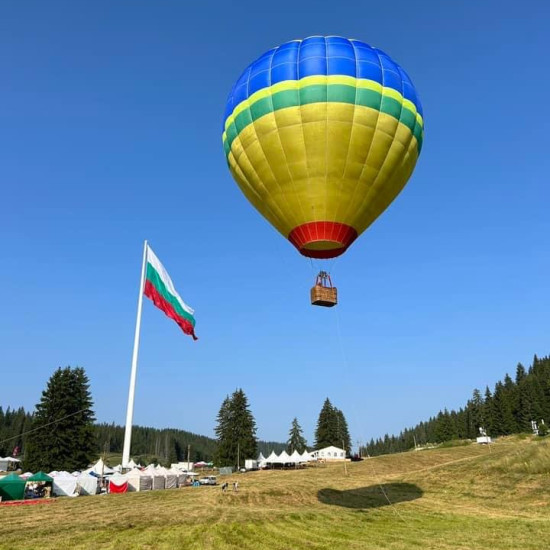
{"x": 160, "y": 289}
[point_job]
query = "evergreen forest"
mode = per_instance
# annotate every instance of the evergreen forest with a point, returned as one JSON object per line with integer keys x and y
{"x": 148, "y": 444}
{"x": 508, "y": 409}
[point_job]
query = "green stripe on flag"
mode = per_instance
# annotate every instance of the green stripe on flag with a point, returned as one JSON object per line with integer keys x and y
{"x": 157, "y": 282}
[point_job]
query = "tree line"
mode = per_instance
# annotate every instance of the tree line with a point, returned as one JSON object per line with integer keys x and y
{"x": 508, "y": 409}
{"x": 236, "y": 432}
{"x": 62, "y": 434}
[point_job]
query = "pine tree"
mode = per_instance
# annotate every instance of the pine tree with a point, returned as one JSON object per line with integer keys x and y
{"x": 342, "y": 431}
{"x": 489, "y": 413}
{"x": 332, "y": 428}
{"x": 236, "y": 431}
{"x": 63, "y": 436}
{"x": 223, "y": 433}
{"x": 296, "y": 440}
{"x": 445, "y": 428}
{"x": 503, "y": 407}
{"x": 326, "y": 433}
{"x": 475, "y": 407}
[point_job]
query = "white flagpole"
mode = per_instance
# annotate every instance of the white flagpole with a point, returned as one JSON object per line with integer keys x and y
{"x": 131, "y": 393}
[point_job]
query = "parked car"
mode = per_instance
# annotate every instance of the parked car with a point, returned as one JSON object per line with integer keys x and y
{"x": 208, "y": 480}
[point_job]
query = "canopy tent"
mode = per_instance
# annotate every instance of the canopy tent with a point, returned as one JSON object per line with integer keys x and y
{"x": 296, "y": 457}
{"x": 87, "y": 484}
{"x": 181, "y": 477}
{"x": 139, "y": 481}
{"x": 100, "y": 469}
{"x": 40, "y": 477}
{"x": 170, "y": 478}
{"x": 306, "y": 457}
{"x": 64, "y": 484}
{"x": 262, "y": 461}
{"x": 272, "y": 459}
{"x": 158, "y": 479}
{"x": 8, "y": 463}
{"x": 284, "y": 458}
{"x": 118, "y": 483}
{"x": 12, "y": 487}
{"x": 131, "y": 464}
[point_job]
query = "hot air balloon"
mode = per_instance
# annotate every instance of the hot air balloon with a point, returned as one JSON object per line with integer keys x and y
{"x": 321, "y": 135}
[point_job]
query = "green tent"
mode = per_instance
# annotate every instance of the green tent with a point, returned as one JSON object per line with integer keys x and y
{"x": 12, "y": 487}
{"x": 40, "y": 476}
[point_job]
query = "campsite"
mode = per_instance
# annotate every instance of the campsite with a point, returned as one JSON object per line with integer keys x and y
{"x": 466, "y": 496}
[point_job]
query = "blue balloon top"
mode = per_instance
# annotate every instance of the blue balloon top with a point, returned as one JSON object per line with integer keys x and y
{"x": 319, "y": 55}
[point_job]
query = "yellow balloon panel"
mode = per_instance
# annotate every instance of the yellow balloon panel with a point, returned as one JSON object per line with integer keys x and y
{"x": 346, "y": 164}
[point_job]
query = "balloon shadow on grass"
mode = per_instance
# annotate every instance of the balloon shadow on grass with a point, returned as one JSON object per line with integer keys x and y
{"x": 374, "y": 496}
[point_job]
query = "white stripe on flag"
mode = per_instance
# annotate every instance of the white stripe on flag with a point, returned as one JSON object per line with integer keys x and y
{"x": 155, "y": 262}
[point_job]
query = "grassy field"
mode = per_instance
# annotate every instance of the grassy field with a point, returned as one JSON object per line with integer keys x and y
{"x": 464, "y": 497}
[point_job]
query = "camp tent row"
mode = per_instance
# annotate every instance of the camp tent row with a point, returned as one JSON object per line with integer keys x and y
{"x": 284, "y": 458}
{"x": 150, "y": 479}
{"x": 12, "y": 486}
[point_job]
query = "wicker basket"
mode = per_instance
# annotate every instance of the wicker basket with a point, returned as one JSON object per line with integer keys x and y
{"x": 324, "y": 296}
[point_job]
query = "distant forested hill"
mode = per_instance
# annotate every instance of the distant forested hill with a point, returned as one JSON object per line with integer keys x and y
{"x": 166, "y": 445}
{"x": 508, "y": 409}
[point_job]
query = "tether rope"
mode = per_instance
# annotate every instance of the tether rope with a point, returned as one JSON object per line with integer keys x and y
{"x": 346, "y": 370}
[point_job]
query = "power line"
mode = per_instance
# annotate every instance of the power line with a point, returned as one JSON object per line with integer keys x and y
{"x": 40, "y": 427}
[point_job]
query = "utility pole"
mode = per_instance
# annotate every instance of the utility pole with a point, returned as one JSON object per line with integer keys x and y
{"x": 345, "y": 460}
{"x": 238, "y": 457}
{"x": 188, "y": 456}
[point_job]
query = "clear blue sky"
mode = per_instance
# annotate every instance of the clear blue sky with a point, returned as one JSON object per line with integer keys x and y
{"x": 110, "y": 117}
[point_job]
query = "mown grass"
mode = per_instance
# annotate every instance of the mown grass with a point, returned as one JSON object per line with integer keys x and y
{"x": 466, "y": 497}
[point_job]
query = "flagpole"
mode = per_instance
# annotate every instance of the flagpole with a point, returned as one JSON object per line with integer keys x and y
{"x": 131, "y": 392}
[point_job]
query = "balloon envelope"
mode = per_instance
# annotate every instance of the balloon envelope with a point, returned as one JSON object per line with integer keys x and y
{"x": 321, "y": 135}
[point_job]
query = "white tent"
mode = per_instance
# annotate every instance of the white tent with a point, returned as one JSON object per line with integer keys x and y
{"x": 181, "y": 476}
{"x": 296, "y": 457}
{"x": 306, "y": 457}
{"x": 158, "y": 479}
{"x": 139, "y": 481}
{"x": 100, "y": 469}
{"x": 284, "y": 458}
{"x": 132, "y": 464}
{"x": 272, "y": 459}
{"x": 170, "y": 478}
{"x": 5, "y": 463}
{"x": 64, "y": 484}
{"x": 118, "y": 483}
{"x": 87, "y": 484}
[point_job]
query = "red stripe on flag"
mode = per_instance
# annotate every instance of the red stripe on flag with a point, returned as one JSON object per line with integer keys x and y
{"x": 151, "y": 292}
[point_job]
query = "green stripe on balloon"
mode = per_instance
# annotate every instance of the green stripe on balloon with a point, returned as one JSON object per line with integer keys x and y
{"x": 322, "y": 93}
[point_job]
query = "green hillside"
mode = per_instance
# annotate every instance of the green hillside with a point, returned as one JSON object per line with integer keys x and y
{"x": 463, "y": 497}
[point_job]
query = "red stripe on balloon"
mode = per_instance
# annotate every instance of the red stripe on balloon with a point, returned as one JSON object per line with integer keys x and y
{"x": 334, "y": 232}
